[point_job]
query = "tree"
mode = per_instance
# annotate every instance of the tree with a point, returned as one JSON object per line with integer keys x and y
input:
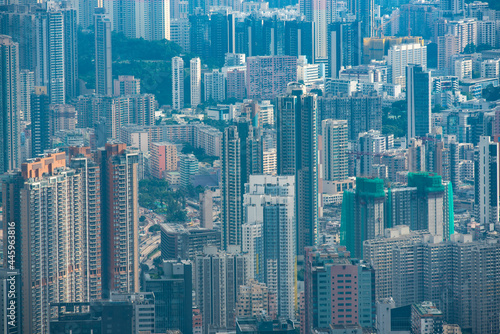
{"x": 154, "y": 228}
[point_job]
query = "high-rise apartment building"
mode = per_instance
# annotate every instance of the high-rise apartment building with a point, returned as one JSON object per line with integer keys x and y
{"x": 370, "y": 144}
{"x": 126, "y": 85}
{"x": 40, "y": 121}
{"x": 120, "y": 218}
{"x": 345, "y": 46}
{"x": 218, "y": 275}
{"x": 268, "y": 76}
{"x": 486, "y": 173}
{"x": 298, "y": 155}
{"x": 254, "y": 299}
{"x": 236, "y": 84}
{"x": 362, "y": 214}
{"x": 26, "y": 87}
{"x": 418, "y": 101}
{"x": 402, "y": 55}
{"x": 241, "y": 157}
{"x": 188, "y": 167}
{"x": 269, "y": 201}
{"x": 195, "y": 74}
{"x": 177, "y": 83}
{"x": 10, "y": 155}
{"x": 163, "y": 158}
{"x": 214, "y": 86}
{"x": 334, "y": 134}
{"x": 347, "y": 296}
{"x": 56, "y": 215}
{"x": 103, "y": 60}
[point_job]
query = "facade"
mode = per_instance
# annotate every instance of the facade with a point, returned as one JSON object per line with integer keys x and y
{"x": 177, "y": 83}
{"x": 217, "y": 278}
{"x": 402, "y": 55}
{"x": 347, "y": 286}
{"x": 297, "y": 155}
{"x": 126, "y": 85}
{"x": 215, "y": 86}
{"x": 173, "y": 296}
{"x": 195, "y": 75}
{"x": 344, "y": 46}
{"x": 269, "y": 201}
{"x": 254, "y": 299}
{"x": 40, "y": 121}
{"x": 334, "y": 134}
{"x": 120, "y": 218}
{"x": 418, "y": 100}
{"x": 188, "y": 167}
{"x": 163, "y": 158}
{"x": 486, "y": 173}
{"x": 103, "y": 60}
{"x": 10, "y": 156}
{"x": 26, "y": 87}
{"x": 180, "y": 243}
{"x": 267, "y": 77}
{"x": 236, "y": 84}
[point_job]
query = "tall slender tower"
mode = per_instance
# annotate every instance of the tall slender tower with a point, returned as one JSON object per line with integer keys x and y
{"x": 297, "y": 155}
{"x": 40, "y": 121}
{"x": 120, "y": 225}
{"x": 335, "y": 149}
{"x": 418, "y": 100}
{"x": 195, "y": 70}
{"x": 178, "y": 83}
{"x": 103, "y": 60}
{"x": 9, "y": 104}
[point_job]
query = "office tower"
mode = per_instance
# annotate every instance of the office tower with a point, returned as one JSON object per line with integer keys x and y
{"x": 268, "y": 77}
{"x": 126, "y": 85}
{"x": 215, "y": 86}
{"x": 370, "y": 144}
{"x": 298, "y": 155}
{"x": 199, "y": 35}
{"x": 188, "y": 167}
{"x": 69, "y": 235}
{"x": 177, "y": 83}
{"x": 236, "y": 84}
{"x": 120, "y": 221}
{"x": 254, "y": 299}
{"x": 26, "y": 86}
{"x": 217, "y": 278}
{"x": 362, "y": 214}
{"x": 178, "y": 242}
{"x": 195, "y": 74}
{"x": 334, "y": 134}
{"x": 173, "y": 296}
{"x": 302, "y": 31}
{"x": 70, "y": 50}
{"x": 347, "y": 284}
{"x": 241, "y": 157}
{"x": 345, "y": 46}
{"x": 40, "y": 121}
{"x": 206, "y": 209}
{"x": 269, "y": 201}
{"x": 103, "y": 60}
{"x": 219, "y": 36}
{"x": 400, "y": 56}
{"x": 418, "y": 101}
{"x": 486, "y": 173}
{"x": 9, "y": 95}
{"x": 143, "y": 309}
{"x": 163, "y": 158}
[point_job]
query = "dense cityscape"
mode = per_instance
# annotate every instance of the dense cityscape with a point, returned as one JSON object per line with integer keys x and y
{"x": 250, "y": 167}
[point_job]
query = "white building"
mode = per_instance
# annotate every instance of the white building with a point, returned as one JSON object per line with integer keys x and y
{"x": 487, "y": 187}
{"x": 195, "y": 71}
{"x": 490, "y": 68}
{"x": 399, "y": 56}
{"x": 177, "y": 83}
{"x": 269, "y": 201}
{"x": 461, "y": 67}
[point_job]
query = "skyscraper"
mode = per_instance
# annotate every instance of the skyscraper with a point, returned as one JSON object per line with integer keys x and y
{"x": 269, "y": 202}
{"x": 177, "y": 83}
{"x": 362, "y": 214}
{"x": 334, "y": 149}
{"x": 297, "y": 155}
{"x": 40, "y": 121}
{"x": 9, "y": 111}
{"x": 241, "y": 157}
{"x": 103, "y": 60}
{"x": 486, "y": 173}
{"x": 57, "y": 225}
{"x": 195, "y": 74}
{"x": 120, "y": 221}
{"x": 418, "y": 101}
{"x": 344, "y": 46}
{"x": 217, "y": 280}
{"x": 400, "y": 56}
{"x": 26, "y": 85}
